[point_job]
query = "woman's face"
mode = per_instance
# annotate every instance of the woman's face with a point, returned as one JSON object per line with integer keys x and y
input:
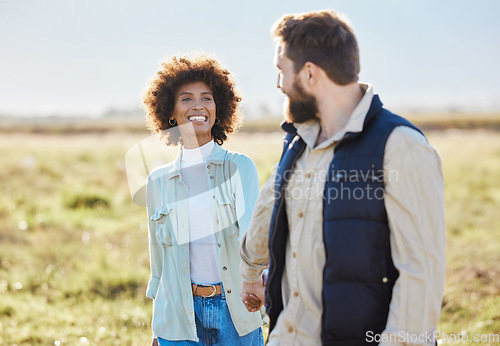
{"x": 195, "y": 105}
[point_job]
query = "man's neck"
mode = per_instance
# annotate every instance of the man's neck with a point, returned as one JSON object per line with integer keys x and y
{"x": 335, "y": 107}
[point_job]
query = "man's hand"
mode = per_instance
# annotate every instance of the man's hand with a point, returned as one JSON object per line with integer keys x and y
{"x": 252, "y": 303}
{"x": 155, "y": 342}
{"x": 253, "y": 295}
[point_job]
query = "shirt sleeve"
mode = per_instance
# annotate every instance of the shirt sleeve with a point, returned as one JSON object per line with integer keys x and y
{"x": 155, "y": 248}
{"x": 246, "y": 192}
{"x": 414, "y": 202}
{"x": 254, "y": 249}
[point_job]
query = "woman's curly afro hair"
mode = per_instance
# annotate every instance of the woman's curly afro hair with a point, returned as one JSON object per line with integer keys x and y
{"x": 159, "y": 96}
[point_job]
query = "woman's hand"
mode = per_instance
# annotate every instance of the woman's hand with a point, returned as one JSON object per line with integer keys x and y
{"x": 253, "y": 295}
{"x": 252, "y": 302}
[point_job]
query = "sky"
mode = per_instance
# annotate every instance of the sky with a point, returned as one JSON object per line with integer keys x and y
{"x": 86, "y": 57}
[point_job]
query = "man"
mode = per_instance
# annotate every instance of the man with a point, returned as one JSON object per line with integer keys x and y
{"x": 351, "y": 223}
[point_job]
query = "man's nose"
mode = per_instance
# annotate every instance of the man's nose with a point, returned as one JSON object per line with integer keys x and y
{"x": 279, "y": 82}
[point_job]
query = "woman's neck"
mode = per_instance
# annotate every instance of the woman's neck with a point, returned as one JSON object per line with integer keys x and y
{"x": 195, "y": 142}
{"x": 199, "y": 153}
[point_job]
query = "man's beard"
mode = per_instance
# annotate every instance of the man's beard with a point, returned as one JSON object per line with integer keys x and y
{"x": 300, "y": 106}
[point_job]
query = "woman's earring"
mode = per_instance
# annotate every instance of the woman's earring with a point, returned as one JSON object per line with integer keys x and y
{"x": 217, "y": 121}
{"x": 172, "y": 121}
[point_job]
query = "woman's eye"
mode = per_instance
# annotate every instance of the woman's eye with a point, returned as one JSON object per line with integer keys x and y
{"x": 186, "y": 99}
{"x": 207, "y": 99}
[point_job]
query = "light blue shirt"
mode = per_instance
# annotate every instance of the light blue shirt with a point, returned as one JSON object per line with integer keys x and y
{"x": 234, "y": 186}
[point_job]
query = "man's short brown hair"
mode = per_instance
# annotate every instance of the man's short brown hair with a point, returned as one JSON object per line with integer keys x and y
{"x": 323, "y": 38}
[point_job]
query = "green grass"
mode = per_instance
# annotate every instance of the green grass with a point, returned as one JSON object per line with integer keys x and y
{"x": 471, "y": 162}
{"x": 74, "y": 260}
{"x": 73, "y": 248}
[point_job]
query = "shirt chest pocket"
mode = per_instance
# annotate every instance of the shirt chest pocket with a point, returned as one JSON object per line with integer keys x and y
{"x": 163, "y": 220}
{"x": 227, "y": 219}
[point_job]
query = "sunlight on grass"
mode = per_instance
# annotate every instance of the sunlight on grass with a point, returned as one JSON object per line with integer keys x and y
{"x": 471, "y": 163}
{"x": 74, "y": 260}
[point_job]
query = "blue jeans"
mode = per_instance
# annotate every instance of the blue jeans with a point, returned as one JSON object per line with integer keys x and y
{"x": 214, "y": 325}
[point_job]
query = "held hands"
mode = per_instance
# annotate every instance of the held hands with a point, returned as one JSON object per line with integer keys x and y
{"x": 252, "y": 302}
{"x": 253, "y": 294}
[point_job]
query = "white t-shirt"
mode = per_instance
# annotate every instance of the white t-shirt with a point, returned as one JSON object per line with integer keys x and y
{"x": 203, "y": 243}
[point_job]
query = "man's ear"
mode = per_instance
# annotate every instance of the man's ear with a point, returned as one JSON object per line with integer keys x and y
{"x": 310, "y": 73}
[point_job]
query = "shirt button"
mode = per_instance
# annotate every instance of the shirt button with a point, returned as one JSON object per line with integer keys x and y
{"x": 214, "y": 197}
{"x": 224, "y": 268}
{"x": 295, "y": 294}
{"x": 290, "y": 329}
{"x": 301, "y": 214}
{"x": 308, "y": 175}
{"x": 218, "y": 245}
{"x": 385, "y": 280}
{"x": 209, "y": 166}
{"x": 217, "y": 221}
{"x": 294, "y": 254}
{"x": 211, "y": 177}
{"x": 228, "y": 291}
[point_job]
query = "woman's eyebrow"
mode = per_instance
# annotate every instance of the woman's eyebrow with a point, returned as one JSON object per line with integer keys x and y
{"x": 190, "y": 93}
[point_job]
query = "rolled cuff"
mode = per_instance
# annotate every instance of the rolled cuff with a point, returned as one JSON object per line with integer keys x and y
{"x": 250, "y": 275}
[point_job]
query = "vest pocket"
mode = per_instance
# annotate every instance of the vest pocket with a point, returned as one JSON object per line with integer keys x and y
{"x": 387, "y": 284}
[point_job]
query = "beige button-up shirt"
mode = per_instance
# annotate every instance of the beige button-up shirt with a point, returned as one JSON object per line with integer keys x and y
{"x": 415, "y": 207}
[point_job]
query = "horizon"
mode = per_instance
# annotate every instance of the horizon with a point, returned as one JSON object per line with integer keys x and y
{"x": 88, "y": 58}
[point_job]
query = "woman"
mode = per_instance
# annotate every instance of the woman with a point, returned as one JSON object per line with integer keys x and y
{"x": 199, "y": 206}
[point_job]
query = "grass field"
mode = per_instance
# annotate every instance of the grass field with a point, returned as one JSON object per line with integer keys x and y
{"x": 74, "y": 253}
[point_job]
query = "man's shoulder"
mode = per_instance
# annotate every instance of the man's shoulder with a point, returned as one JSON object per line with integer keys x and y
{"x": 405, "y": 141}
{"x": 404, "y": 130}
{"x": 399, "y": 126}
{"x": 409, "y": 135}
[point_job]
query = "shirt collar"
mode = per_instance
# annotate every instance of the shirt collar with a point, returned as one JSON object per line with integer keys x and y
{"x": 309, "y": 130}
{"x": 217, "y": 158}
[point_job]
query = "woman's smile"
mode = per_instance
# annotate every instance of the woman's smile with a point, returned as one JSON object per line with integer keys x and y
{"x": 198, "y": 118}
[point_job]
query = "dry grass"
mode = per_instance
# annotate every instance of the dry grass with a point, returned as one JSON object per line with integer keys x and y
{"x": 74, "y": 254}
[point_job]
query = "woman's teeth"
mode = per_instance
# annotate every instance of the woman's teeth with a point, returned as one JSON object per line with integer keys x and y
{"x": 197, "y": 118}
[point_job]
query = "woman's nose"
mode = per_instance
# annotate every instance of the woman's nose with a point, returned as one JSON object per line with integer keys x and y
{"x": 198, "y": 108}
